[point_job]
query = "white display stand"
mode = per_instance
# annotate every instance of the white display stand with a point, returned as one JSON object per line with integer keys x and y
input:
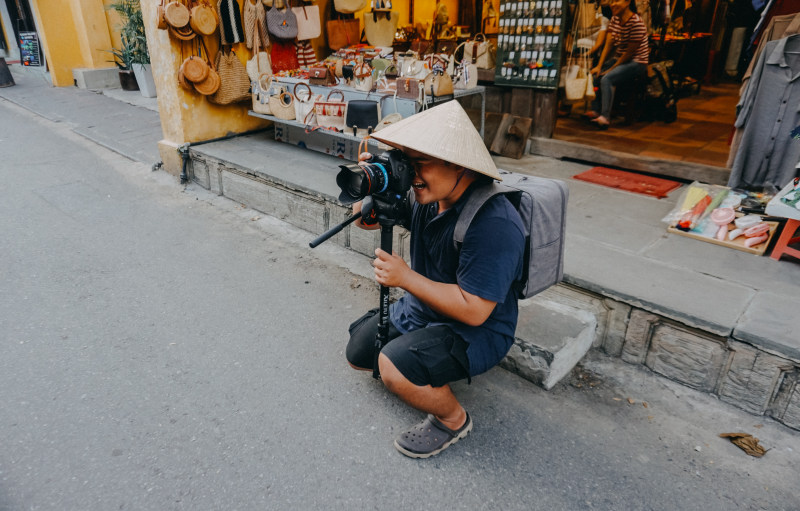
{"x": 345, "y": 144}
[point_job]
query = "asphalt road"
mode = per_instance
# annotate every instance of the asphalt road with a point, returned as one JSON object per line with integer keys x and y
{"x": 164, "y": 348}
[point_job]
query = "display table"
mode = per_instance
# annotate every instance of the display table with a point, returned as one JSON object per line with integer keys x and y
{"x": 777, "y": 208}
{"x": 345, "y": 145}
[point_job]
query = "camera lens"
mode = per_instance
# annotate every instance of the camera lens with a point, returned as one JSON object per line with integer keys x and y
{"x": 358, "y": 181}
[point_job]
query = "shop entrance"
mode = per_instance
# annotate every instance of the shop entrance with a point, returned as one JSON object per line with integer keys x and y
{"x": 701, "y": 55}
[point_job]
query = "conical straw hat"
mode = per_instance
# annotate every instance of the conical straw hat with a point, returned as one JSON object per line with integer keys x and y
{"x": 445, "y": 132}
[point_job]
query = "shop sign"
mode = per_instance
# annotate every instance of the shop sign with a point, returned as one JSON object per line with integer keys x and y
{"x": 29, "y": 49}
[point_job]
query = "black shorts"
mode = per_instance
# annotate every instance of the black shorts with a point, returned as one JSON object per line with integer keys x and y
{"x": 433, "y": 356}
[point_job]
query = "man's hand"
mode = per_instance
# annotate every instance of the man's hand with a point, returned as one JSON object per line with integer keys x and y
{"x": 390, "y": 270}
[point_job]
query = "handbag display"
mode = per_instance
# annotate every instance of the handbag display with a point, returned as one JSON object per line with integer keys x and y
{"x": 259, "y": 63}
{"x": 308, "y": 22}
{"x": 304, "y": 101}
{"x": 261, "y": 91}
{"x": 362, "y": 115}
{"x": 283, "y": 56}
{"x": 349, "y": 6}
{"x": 438, "y": 84}
{"x": 362, "y": 77}
{"x": 194, "y": 69}
{"x": 480, "y": 51}
{"x": 234, "y": 82}
{"x": 343, "y": 33}
{"x": 208, "y": 86}
{"x": 202, "y": 19}
{"x": 330, "y": 113}
{"x": 380, "y": 27}
{"x": 306, "y": 57}
{"x": 409, "y": 88}
{"x": 575, "y": 88}
{"x": 466, "y": 76}
{"x": 321, "y": 75}
{"x": 255, "y": 24}
{"x": 230, "y": 22}
{"x": 282, "y": 23}
{"x": 177, "y": 14}
{"x": 282, "y": 105}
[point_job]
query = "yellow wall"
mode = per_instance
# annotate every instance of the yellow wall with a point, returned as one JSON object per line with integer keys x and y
{"x": 73, "y": 34}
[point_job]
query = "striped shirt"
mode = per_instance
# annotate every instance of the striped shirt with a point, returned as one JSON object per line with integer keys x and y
{"x": 633, "y": 32}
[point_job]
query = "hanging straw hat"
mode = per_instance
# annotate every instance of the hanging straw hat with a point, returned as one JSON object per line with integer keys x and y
{"x": 444, "y": 132}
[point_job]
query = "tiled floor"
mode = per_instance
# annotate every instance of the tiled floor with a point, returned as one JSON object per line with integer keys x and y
{"x": 700, "y": 134}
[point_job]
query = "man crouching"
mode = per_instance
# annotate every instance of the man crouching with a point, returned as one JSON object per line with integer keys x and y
{"x": 459, "y": 313}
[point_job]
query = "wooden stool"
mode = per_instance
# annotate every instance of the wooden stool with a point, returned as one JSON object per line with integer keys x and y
{"x": 781, "y": 247}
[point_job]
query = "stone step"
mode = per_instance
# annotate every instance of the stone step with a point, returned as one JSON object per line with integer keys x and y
{"x": 551, "y": 339}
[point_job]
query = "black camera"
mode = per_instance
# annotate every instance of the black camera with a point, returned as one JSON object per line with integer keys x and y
{"x": 386, "y": 177}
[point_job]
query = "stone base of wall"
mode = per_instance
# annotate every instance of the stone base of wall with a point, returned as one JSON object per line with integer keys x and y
{"x": 741, "y": 374}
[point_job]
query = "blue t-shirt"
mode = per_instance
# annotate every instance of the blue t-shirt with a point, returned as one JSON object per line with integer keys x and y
{"x": 490, "y": 260}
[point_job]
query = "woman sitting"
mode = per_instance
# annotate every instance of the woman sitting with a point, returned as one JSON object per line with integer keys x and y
{"x": 628, "y": 36}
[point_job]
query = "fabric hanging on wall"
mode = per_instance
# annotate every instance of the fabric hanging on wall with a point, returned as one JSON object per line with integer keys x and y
{"x": 767, "y": 155}
{"x": 230, "y": 22}
{"x": 305, "y": 53}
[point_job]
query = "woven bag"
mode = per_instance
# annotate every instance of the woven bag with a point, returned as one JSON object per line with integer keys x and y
{"x": 349, "y": 6}
{"x": 234, "y": 82}
{"x": 202, "y": 19}
{"x": 261, "y": 91}
{"x": 230, "y": 22}
{"x": 282, "y": 23}
{"x": 194, "y": 69}
{"x": 161, "y": 20}
{"x": 380, "y": 27}
{"x": 282, "y": 105}
{"x": 177, "y": 14}
{"x": 259, "y": 64}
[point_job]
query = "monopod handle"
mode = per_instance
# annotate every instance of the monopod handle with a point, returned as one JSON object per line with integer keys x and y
{"x": 333, "y": 230}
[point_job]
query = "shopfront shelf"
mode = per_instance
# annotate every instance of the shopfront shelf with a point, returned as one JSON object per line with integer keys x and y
{"x": 345, "y": 144}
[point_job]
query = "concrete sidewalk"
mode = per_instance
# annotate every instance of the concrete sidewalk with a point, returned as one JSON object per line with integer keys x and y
{"x": 712, "y": 318}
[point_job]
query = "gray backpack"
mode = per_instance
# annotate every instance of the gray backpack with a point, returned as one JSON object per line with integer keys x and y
{"x": 542, "y": 205}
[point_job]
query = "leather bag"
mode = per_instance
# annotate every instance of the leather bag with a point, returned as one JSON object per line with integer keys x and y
{"x": 234, "y": 82}
{"x": 409, "y": 88}
{"x": 282, "y": 23}
{"x": 363, "y": 115}
{"x": 321, "y": 75}
{"x": 480, "y": 51}
{"x": 362, "y": 77}
{"x": 308, "y": 22}
{"x": 438, "y": 84}
{"x": 331, "y": 112}
{"x": 343, "y": 33}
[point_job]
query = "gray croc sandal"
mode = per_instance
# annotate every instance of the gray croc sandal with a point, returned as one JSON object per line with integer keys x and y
{"x": 430, "y": 437}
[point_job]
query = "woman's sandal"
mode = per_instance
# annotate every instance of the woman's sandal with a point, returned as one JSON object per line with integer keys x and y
{"x": 430, "y": 437}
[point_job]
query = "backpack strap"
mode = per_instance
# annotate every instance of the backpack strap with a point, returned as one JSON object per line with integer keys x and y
{"x": 475, "y": 202}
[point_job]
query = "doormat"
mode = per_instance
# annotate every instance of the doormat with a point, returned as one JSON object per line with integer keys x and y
{"x": 629, "y": 181}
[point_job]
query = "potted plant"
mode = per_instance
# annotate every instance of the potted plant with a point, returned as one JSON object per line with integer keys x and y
{"x": 124, "y": 62}
{"x": 134, "y": 51}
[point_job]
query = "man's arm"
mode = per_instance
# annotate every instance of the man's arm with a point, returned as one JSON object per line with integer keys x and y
{"x": 446, "y": 299}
